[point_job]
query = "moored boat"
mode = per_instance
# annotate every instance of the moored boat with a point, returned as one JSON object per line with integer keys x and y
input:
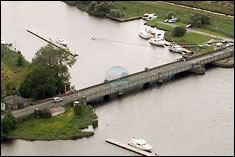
{"x": 140, "y": 144}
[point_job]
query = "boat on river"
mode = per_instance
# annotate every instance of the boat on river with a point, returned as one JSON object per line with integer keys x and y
{"x": 145, "y": 34}
{"x": 140, "y": 144}
{"x": 62, "y": 42}
{"x": 157, "y": 42}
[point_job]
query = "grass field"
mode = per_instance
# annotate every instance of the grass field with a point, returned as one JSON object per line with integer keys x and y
{"x": 9, "y": 69}
{"x": 225, "y": 7}
{"x": 62, "y": 127}
{"x": 219, "y": 24}
{"x": 188, "y": 38}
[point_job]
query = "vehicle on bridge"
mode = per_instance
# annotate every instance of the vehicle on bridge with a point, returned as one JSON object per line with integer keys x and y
{"x": 57, "y": 99}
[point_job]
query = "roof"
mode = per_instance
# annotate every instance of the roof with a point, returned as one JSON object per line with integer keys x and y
{"x": 14, "y": 99}
{"x": 56, "y": 109}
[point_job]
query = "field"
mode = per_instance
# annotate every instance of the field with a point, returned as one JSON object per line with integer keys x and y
{"x": 11, "y": 74}
{"x": 62, "y": 127}
{"x": 219, "y": 24}
{"x": 225, "y": 7}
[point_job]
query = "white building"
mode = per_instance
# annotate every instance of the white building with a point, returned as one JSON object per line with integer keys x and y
{"x": 3, "y": 106}
{"x": 55, "y": 111}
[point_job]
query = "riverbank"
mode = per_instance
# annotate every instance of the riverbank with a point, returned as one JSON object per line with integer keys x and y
{"x": 220, "y": 24}
{"x": 67, "y": 126}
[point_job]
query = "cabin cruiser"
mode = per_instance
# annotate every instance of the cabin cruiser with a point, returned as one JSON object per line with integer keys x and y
{"x": 140, "y": 144}
{"x": 176, "y": 48}
{"x": 61, "y": 42}
{"x": 145, "y": 34}
{"x": 157, "y": 42}
{"x": 146, "y": 16}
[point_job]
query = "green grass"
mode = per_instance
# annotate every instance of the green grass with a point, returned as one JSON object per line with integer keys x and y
{"x": 9, "y": 69}
{"x": 188, "y": 38}
{"x": 220, "y": 24}
{"x": 154, "y": 23}
{"x": 207, "y": 49}
{"x": 62, "y": 127}
{"x": 225, "y": 7}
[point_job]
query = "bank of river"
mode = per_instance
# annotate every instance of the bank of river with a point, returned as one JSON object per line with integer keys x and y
{"x": 166, "y": 116}
{"x": 63, "y": 127}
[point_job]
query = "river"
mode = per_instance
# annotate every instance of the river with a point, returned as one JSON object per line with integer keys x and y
{"x": 193, "y": 115}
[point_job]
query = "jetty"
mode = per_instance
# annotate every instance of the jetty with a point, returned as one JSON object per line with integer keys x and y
{"x": 49, "y": 40}
{"x": 125, "y": 146}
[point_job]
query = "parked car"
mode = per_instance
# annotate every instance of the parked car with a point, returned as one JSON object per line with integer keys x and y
{"x": 57, "y": 99}
{"x": 189, "y": 26}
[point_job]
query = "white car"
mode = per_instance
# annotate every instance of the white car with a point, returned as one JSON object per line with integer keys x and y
{"x": 140, "y": 144}
{"x": 57, "y": 99}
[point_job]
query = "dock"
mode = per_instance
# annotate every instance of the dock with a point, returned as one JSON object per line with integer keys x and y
{"x": 125, "y": 146}
{"x": 52, "y": 42}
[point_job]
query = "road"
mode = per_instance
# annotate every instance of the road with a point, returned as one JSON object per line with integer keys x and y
{"x": 48, "y": 104}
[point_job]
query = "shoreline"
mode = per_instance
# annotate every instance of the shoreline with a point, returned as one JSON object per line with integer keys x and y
{"x": 124, "y": 20}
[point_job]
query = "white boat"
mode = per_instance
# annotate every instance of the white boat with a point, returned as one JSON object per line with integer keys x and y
{"x": 61, "y": 41}
{"x": 157, "y": 41}
{"x": 147, "y": 16}
{"x": 176, "y": 48}
{"x": 140, "y": 144}
{"x": 145, "y": 35}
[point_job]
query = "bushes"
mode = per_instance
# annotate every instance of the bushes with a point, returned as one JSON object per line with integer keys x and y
{"x": 45, "y": 113}
{"x": 8, "y": 123}
{"x": 198, "y": 20}
{"x": 116, "y": 13}
{"x": 179, "y": 31}
{"x": 170, "y": 14}
{"x": 78, "y": 109}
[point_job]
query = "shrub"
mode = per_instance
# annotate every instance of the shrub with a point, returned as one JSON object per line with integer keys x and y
{"x": 170, "y": 14}
{"x": 116, "y": 13}
{"x": 179, "y": 31}
{"x": 198, "y": 20}
{"x": 8, "y": 123}
{"x": 45, "y": 113}
{"x": 78, "y": 109}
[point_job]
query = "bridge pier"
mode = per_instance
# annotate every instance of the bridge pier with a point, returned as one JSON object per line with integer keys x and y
{"x": 198, "y": 69}
{"x": 146, "y": 85}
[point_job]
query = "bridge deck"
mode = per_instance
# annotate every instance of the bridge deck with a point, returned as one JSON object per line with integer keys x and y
{"x": 155, "y": 71}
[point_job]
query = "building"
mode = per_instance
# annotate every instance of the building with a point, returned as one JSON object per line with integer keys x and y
{"x": 3, "y": 107}
{"x": 15, "y": 102}
{"x": 55, "y": 111}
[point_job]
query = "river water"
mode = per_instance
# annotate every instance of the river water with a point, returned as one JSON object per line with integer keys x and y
{"x": 193, "y": 115}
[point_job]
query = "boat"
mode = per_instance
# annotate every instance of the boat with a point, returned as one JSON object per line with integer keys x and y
{"x": 145, "y": 34}
{"x": 140, "y": 144}
{"x": 147, "y": 16}
{"x": 176, "y": 48}
{"x": 157, "y": 42}
{"x": 62, "y": 42}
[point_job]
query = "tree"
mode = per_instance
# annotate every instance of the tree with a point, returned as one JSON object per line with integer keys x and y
{"x": 170, "y": 14}
{"x": 116, "y": 13}
{"x": 179, "y": 31}
{"x": 20, "y": 61}
{"x": 78, "y": 109}
{"x": 45, "y": 113}
{"x": 8, "y": 123}
{"x": 40, "y": 83}
{"x": 198, "y": 20}
{"x": 58, "y": 60}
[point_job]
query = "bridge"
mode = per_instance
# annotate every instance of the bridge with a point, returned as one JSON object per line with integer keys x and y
{"x": 157, "y": 74}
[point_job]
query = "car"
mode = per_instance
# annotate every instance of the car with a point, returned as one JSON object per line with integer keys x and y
{"x": 57, "y": 99}
{"x": 189, "y": 26}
